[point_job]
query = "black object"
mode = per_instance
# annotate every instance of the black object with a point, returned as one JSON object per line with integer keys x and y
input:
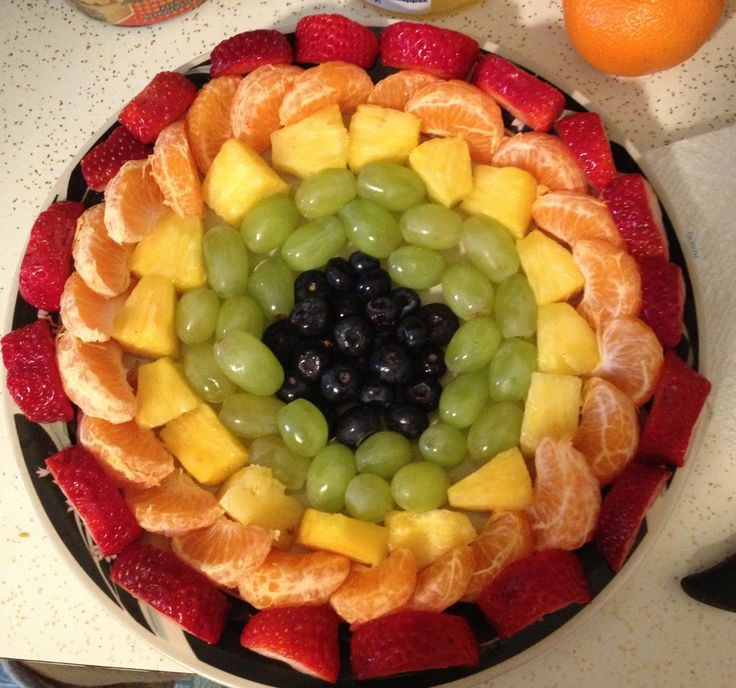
{"x": 715, "y": 586}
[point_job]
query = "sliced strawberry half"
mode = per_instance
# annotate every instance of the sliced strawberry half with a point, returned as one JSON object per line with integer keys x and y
{"x": 102, "y": 163}
{"x": 663, "y": 298}
{"x": 411, "y": 641}
{"x": 305, "y": 637}
{"x": 678, "y": 400}
{"x": 623, "y": 510}
{"x": 327, "y": 37}
{"x": 586, "y": 137}
{"x": 243, "y": 52}
{"x": 533, "y": 101}
{"x": 163, "y": 581}
{"x": 530, "y": 588}
{"x": 96, "y": 498}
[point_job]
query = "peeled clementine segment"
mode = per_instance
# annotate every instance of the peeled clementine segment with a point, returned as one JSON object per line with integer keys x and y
{"x": 370, "y": 592}
{"x": 176, "y": 505}
{"x": 225, "y": 550}
{"x": 85, "y": 313}
{"x": 567, "y": 497}
{"x": 287, "y": 579}
{"x": 95, "y": 379}
{"x": 546, "y": 157}
{"x": 395, "y": 90}
{"x": 444, "y": 581}
{"x": 456, "y": 108}
{"x": 608, "y": 434}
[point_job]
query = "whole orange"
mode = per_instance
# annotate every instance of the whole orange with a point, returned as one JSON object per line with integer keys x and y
{"x": 635, "y": 37}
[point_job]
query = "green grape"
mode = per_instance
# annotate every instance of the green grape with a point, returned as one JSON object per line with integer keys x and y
{"x": 463, "y": 399}
{"x": 497, "y": 429}
{"x": 288, "y": 467}
{"x": 416, "y": 267}
{"x": 302, "y": 427}
{"x": 467, "y": 291}
{"x": 431, "y": 225}
{"x": 226, "y": 260}
{"x": 372, "y": 228}
{"x": 250, "y": 415}
{"x": 196, "y": 314}
{"x": 271, "y": 221}
{"x": 272, "y": 286}
{"x": 516, "y": 307}
{"x": 310, "y": 246}
{"x": 490, "y": 247}
{"x": 328, "y": 476}
{"x": 510, "y": 372}
{"x": 249, "y": 363}
{"x": 383, "y": 453}
{"x": 420, "y": 486}
{"x": 473, "y": 345}
{"x": 205, "y": 375}
{"x": 368, "y": 498}
{"x": 443, "y": 444}
{"x": 240, "y": 313}
{"x": 392, "y": 186}
{"x": 325, "y": 193}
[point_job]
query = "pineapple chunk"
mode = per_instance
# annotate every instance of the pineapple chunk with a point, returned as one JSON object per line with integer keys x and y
{"x": 163, "y": 393}
{"x": 379, "y": 133}
{"x": 237, "y": 179}
{"x": 502, "y": 483}
{"x": 549, "y": 267}
{"x": 552, "y": 409}
{"x": 145, "y": 323}
{"x": 566, "y": 344}
{"x": 204, "y": 446}
{"x": 172, "y": 250}
{"x": 364, "y": 542}
{"x": 428, "y": 534}
{"x": 504, "y": 194}
{"x": 315, "y": 143}
{"x": 445, "y": 168}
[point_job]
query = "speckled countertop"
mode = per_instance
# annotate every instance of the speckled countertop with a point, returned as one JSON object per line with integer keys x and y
{"x": 64, "y": 75}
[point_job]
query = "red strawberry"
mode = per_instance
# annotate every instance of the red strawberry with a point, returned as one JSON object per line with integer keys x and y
{"x": 304, "y": 637}
{"x": 531, "y": 587}
{"x": 535, "y": 102}
{"x": 47, "y": 261}
{"x": 327, "y": 37}
{"x": 663, "y": 298}
{"x": 96, "y": 498}
{"x": 163, "y": 581}
{"x": 584, "y": 134}
{"x": 411, "y": 641}
{"x": 163, "y": 101}
{"x": 442, "y": 52}
{"x": 678, "y": 400}
{"x": 245, "y": 51}
{"x": 623, "y": 510}
{"x": 636, "y": 211}
{"x": 33, "y": 378}
{"x": 101, "y": 164}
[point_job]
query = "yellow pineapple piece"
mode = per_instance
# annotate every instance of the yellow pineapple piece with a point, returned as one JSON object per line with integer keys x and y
{"x": 445, "y": 168}
{"x": 315, "y": 143}
{"x": 237, "y": 179}
{"x": 549, "y": 267}
{"x": 379, "y": 133}
{"x": 504, "y": 194}
{"x": 566, "y": 343}
{"x": 145, "y": 323}
{"x": 163, "y": 393}
{"x": 172, "y": 250}
{"x": 203, "y": 445}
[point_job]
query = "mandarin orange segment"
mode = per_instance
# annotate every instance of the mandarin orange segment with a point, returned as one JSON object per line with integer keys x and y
{"x": 395, "y": 90}
{"x": 444, "y": 581}
{"x": 85, "y": 313}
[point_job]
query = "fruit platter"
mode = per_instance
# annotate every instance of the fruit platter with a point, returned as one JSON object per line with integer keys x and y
{"x": 352, "y": 355}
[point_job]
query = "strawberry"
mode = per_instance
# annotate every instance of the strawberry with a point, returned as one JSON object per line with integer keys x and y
{"x": 47, "y": 261}
{"x": 663, "y": 298}
{"x": 101, "y": 164}
{"x": 635, "y": 209}
{"x": 304, "y": 637}
{"x": 163, "y": 581}
{"x": 412, "y": 45}
{"x": 623, "y": 510}
{"x": 411, "y": 640}
{"x": 96, "y": 498}
{"x": 584, "y": 134}
{"x": 678, "y": 400}
{"x": 535, "y": 102}
{"x": 245, "y": 51}
{"x": 163, "y": 101}
{"x": 327, "y": 37}
{"x": 532, "y": 587}
{"x": 33, "y": 378}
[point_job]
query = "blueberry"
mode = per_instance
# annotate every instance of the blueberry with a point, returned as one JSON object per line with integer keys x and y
{"x": 441, "y": 321}
{"x": 377, "y": 393}
{"x": 294, "y": 387}
{"x": 423, "y": 391}
{"x": 372, "y": 283}
{"x": 310, "y": 316}
{"x": 310, "y": 359}
{"x": 361, "y": 262}
{"x": 431, "y": 362}
{"x": 280, "y": 336}
{"x": 311, "y": 283}
{"x": 340, "y": 382}
{"x": 357, "y": 423}
{"x": 340, "y": 275}
{"x": 343, "y": 305}
{"x": 391, "y": 363}
{"x": 353, "y": 336}
{"x": 382, "y": 312}
{"x": 412, "y": 331}
{"x": 407, "y": 419}
{"x": 406, "y": 299}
